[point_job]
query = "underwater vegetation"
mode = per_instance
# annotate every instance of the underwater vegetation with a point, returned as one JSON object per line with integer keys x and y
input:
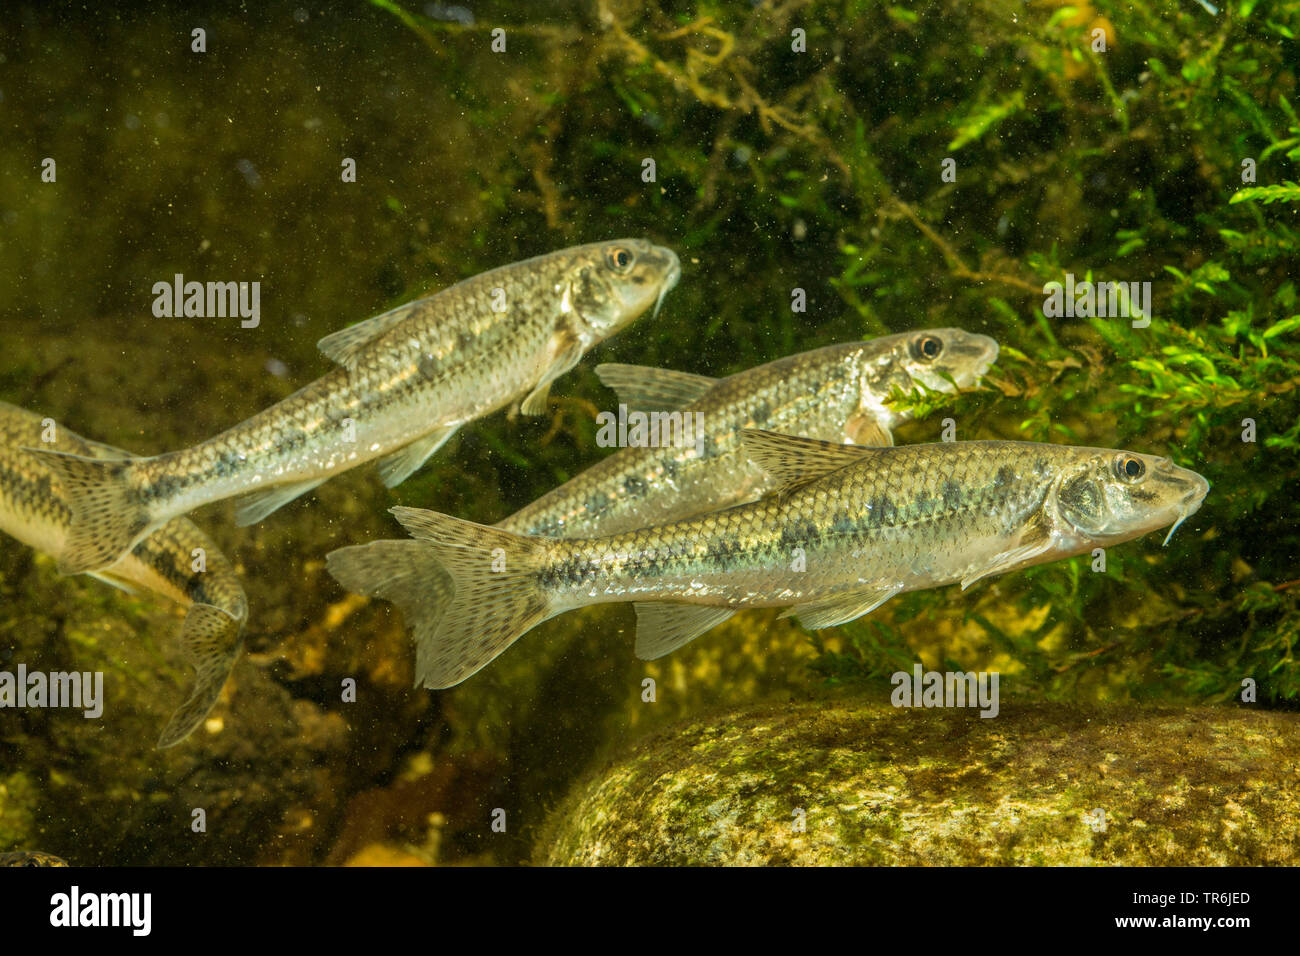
{"x": 825, "y": 172}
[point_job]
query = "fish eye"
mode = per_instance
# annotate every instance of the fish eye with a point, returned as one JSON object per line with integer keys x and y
{"x": 1130, "y": 468}
{"x": 927, "y": 348}
{"x": 619, "y": 259}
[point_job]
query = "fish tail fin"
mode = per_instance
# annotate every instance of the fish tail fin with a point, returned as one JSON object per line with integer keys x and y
{"x": 108, "y": 514}
{"x": 467, "y": 591}
{"x": 211, "y": 641}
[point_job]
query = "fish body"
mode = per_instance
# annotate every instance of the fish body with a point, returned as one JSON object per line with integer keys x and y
{"x": 846, "y": 529}
{"x": 34, "y": 509}
{"x": 839, "y": 393}
{"x": 405, "y": 382}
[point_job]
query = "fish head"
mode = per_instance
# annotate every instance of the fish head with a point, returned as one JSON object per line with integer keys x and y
{"x": 938, "y": 359}
{"x": 1112, "y": 496}
{"x": 612, "y": 283}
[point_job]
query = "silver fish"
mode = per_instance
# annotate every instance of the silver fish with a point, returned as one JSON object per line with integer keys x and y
{"x": 406, "y": 381}
{"x": 847, "y": 528}
{"x": 34, "y": 509}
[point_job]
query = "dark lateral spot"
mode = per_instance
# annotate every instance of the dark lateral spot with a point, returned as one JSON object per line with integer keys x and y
{"x": 841, "y": 523}
{"x": 598, "y": 502}
{"x": 884, "y": 509}
{"x": 634, "y": 485}
{"x": 798, "y": 534}
{"x": 227, "y": 463}
{"x": 762, "y": 412}
{"x": 1003, "y": 477}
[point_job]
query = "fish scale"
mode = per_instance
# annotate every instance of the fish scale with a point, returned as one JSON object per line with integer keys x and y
{"x": 406, "y": 381}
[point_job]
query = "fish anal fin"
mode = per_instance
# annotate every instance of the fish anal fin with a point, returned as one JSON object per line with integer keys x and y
{"x": 842, "y": 608}
{"x": 793, "y": 461}
{"x": 397, "y": 467}
{"x": 252, "y": 508}
{"x": 649, "y": 389}
{"x": 662, "y": 627}
{"x": 344, "y": 345}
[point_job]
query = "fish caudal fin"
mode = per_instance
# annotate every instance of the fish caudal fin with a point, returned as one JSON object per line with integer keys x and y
{"x": 211, "y": 640}
{"x": 405, "y": 573}
{"x": 108, "y": 515}
{"x": 467, "y": 591}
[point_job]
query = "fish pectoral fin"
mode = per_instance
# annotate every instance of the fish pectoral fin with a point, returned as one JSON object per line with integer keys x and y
{"x": 211, "y": 641}
{"x": 397, "y": 467}
{"x": 864, "y": 429}
{"x": 792, "y": 461}
{"x": 535, "y": 402}
{"x": 644, "y": 388}
{"x": 344, "y": 345}
{"x": 254, "y": 507}
{"x": 662, "y": 627}
{"x": 1034, "y": 541}
{"x": 843, "y": 608}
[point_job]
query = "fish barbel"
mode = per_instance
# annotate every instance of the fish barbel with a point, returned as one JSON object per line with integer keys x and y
{"x": 406, "y": 381}
{"x": 34, "y": 509}
{"x": 847, "y": 528}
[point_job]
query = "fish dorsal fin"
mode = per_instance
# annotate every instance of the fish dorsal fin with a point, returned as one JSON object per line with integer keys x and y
{"x": 344, "y": 345}
{"x": 662, "y": 627}
{"x": 793, "y": 461}
{"x": 648, "y": 389}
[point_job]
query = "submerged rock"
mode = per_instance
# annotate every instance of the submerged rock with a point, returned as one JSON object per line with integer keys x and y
{"x": 855, "y": 783}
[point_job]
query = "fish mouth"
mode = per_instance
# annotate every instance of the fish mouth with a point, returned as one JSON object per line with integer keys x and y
{"x": 1191, "y": 503}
